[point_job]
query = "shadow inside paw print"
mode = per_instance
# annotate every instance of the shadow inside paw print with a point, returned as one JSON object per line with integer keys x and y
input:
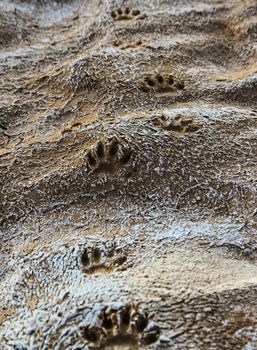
{"x": 102, "y": 258}
{"x": 126, "y": 13}
{"x": 180, "y": 124}
{"x": 120, "y": 325}
{"x": 108, "y": 156}
{"x": 161, "y": 83}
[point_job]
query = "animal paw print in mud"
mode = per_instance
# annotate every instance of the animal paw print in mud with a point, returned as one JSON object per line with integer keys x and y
{"x": 122, "y": 14}
{"x": 108, "y": 156}
{"x": 103, "y": 258}
{"x": 161, "y": 83}
{"x": 180, "y": 124}
{"x": 120, "y": 325}
{"x": 130, "y": 45}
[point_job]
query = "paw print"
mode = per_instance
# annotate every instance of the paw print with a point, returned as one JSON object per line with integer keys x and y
{"x": 130, "y": 45}
{"x": 108, "y": 156}
{"x": 121, "y": 325}
{"x": 103, "y": 258}
{"x": 122, "y": 14}
{"x": 161, "y": 83}
{"x": 180, "y": 124}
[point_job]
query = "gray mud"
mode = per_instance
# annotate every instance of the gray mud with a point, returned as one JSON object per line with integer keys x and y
{"x": 128, "y": 162}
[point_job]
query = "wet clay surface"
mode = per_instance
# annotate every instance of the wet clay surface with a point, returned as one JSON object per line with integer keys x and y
{"x": 128, "y": 170}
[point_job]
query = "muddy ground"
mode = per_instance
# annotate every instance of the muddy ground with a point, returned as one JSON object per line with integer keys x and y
{"x": 128, "y": 170}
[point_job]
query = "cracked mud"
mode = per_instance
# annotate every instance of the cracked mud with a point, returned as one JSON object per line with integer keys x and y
{"x": 128, "y": 171}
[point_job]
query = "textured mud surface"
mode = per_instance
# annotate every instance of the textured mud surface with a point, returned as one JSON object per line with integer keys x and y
{"x": 128, "y": 170}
